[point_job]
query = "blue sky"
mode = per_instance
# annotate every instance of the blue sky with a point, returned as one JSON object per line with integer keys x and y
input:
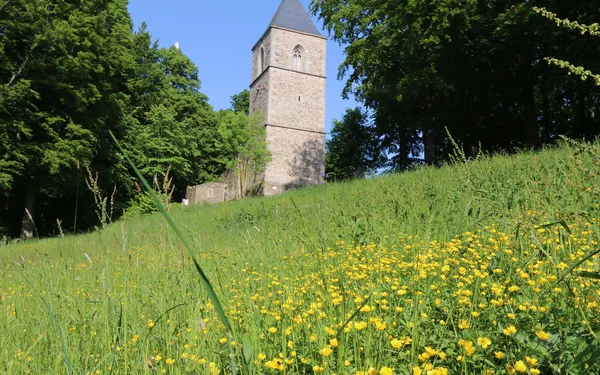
{"x": 218, "y": 36}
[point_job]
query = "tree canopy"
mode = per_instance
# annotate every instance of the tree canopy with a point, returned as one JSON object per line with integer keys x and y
{"x": 70, "y": 72}
{"x": 475, "y": 68}
{"x": 353, "y": 150}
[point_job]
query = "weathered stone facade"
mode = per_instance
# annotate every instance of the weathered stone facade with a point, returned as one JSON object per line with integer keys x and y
{"x": 208, "y": 193}
{"x": 288, "y": 87}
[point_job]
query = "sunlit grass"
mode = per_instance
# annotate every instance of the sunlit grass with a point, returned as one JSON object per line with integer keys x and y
{"x": 452, "y": 271}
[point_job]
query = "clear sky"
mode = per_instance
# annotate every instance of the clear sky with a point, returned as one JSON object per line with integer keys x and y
{"x": 217, "y": 35}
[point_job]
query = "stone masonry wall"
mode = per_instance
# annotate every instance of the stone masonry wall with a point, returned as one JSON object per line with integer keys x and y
{"x": 207, "y": 193}
{"x": 298, "y": 158}
{"x": 265, "y": 43}
{"x": 259, "y": 94}
{"x": 283, "y": 43}
{"x": 296, "y": 100}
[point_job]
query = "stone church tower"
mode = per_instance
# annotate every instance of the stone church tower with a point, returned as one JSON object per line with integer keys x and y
{"x": 288, "y": 87}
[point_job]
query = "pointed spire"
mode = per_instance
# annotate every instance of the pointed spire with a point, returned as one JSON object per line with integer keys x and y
{"x": 292, "y": 15}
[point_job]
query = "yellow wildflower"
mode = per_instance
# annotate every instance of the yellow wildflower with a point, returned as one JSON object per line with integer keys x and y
{"x": 484, "y": 342}
{"x": 521, "y": 367}
{"x": 326, "y": 351}
{"x": 531, "y": 361}
{"x": 510, "y": 331}
{"x": 275, "y": 364}
{"x": 543, "y": 335}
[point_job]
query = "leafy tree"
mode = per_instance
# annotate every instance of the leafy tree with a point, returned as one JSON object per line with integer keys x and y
{"x": 62, "y": 73}
{"x": 353, "y": 149}
{"x": 161, "y": 143}
{"x": 171, "y": 123}
{"x": 241, "y": 102}
{"x": 243, "y": 144}
{"x": 392, "y": 54}
{"x": 69, "y": 72}
{"x": 468, "y": 66}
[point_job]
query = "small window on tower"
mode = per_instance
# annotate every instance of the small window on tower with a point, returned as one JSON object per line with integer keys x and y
{"x": 298, "y": 58}
{"x": 262, "y": 59}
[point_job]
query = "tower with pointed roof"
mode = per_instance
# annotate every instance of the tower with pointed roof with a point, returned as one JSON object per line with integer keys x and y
{"x": 288, "y": 87}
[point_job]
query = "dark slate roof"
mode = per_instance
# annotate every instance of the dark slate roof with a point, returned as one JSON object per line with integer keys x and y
{"x": 292, "y": 15}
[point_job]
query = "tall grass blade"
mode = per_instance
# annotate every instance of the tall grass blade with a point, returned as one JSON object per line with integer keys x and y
{"x": 61, "y": 333}
{"x": 567, "y": 272}
{"x": 203, "y": 277}
{"x": 589, "y": 275}
{"x": 339, "y": 332}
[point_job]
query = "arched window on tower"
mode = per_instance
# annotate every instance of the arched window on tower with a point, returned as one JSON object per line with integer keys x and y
{"x": 262, "y": 59}
{"x": 298, "y": 58}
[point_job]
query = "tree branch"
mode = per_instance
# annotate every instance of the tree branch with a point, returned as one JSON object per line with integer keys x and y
{"x": 17, "y": 74}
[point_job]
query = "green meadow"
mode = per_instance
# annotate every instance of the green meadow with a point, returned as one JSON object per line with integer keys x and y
{"x": 486, "y": 266}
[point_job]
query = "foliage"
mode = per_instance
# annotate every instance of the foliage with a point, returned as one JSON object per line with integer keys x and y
{"x": 582, "y": 29}
{"x": 240, "y": 103}
{"x": 468, "y": 66}
{"x": 428, "y": 260}
{"x": 171, "y": 123}
{"x": 104, "y": 207}
{"x": 144, "y": 204}
{"x": 62, "y": 69}
{"x": 244, "y": 144}
{"x": 352, "y": 151}
{"x": 69, "y": 74}
{"x": 593, "y": 29}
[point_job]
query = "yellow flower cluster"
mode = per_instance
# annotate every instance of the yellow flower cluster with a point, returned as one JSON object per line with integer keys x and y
{"x": 405, "y": 305}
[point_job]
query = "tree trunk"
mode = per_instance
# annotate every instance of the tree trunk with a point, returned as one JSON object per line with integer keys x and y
{"x": 530, "y": 115}
{"x": 429, "y": 133}
{"x": 582, "y": 124}
{"x": 27, "y": 225}
{"x": 404, "y": 156}
{"x": 530, "y": 118}
{"x": 546, "y": 131}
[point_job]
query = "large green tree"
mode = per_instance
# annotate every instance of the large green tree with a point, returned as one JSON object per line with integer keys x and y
{"x": 62, "y": 74}
{"x": 474, "y": 67}
{"x": 352, "y": 150}
{"x": 243, "y": 150}
{"x": 170, "y": 123}
{"x": 72, "y": 71}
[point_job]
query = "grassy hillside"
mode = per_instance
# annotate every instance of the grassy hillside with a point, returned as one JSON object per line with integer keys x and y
{"x": 455, "y": 270}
